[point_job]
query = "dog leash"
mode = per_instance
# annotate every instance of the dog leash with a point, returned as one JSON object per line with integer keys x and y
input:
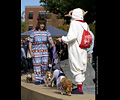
{"x": 53, "y": 51}
{"x": 60, "y": 55}
{"x": 53, "y": 58}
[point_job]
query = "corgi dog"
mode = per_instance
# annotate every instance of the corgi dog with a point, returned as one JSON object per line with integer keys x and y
{"x": 64, "y": 85}
{"x": 49, "y": 79}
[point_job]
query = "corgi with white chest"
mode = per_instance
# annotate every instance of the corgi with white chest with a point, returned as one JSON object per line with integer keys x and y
{"x": 49, "y": 79}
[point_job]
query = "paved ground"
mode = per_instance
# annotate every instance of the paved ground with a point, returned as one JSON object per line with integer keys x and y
{"x": 89, "y": 89}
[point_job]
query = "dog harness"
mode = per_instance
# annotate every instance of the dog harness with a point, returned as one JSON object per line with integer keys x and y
{"x": 61, "y": 74}
{"x": 61, "y": 87}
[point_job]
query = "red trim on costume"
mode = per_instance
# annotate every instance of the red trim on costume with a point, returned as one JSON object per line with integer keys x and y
{"x": 80, "y": 21}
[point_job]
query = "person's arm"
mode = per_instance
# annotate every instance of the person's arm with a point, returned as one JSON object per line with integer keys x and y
{"x": 50, "y": 39}
{"x": 52, "y": 43}
{"x": 72, "y": 33}
{"x": 30, "y": 43}
{"x": 30, "y": 46}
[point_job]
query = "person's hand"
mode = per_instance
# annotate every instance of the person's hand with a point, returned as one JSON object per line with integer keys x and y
{"x": 31, "y": 53}
{"x": 53, "y": 45}
{"x": 59, "y": 39}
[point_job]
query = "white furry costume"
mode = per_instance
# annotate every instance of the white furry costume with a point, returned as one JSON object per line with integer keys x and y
{"x": 77, "y": 56}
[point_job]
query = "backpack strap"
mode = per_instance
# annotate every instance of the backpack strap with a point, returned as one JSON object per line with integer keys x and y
{"x": 82, "y": 22}
{"x": 81, "y": 26}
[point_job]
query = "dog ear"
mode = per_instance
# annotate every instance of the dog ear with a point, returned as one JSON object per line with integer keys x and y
{"x": 46, "y": 72}
{"x": 67, "y": 89}
{"x": 51, "y": 72}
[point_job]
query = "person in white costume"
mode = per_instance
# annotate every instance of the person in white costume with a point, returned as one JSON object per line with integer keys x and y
{"x": 77, "y": 56}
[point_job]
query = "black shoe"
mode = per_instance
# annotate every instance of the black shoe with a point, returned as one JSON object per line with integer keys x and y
{"x": 37, "y": 82}
{"x": 42, "y": 82}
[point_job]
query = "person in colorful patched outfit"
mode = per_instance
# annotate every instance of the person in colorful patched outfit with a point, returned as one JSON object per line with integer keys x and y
{"x": 39, "y": 50}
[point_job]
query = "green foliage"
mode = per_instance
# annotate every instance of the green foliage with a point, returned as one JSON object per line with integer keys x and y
{"x": 64, "y": 27}
{"x": 92, "y": 28}
{"x": 23, "y": 27}
{"x": 23, "y": 24}
{"x": 64, "y": 6}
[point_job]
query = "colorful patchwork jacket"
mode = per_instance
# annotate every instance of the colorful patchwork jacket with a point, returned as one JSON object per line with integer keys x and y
{"x": 39, "y": 42}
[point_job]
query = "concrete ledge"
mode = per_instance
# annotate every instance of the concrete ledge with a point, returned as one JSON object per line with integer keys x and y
{"x": 30, "y": 91}
{"x": 27, "y": 94}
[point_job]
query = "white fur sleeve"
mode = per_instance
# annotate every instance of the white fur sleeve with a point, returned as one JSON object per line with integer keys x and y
{"x": 72, "y": 33}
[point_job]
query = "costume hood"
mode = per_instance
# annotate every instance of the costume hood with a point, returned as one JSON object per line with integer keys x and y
{"x": 77, "y": 14}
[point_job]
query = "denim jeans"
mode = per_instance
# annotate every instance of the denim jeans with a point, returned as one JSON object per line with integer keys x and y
{"x": 30, "y": 62}
{"x": 25, "y": 61}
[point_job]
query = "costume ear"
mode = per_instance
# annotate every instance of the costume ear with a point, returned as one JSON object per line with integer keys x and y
{"x": 70, "y": 12}
{"x": 69, "y": 15}
{"x": 85, "y": 13}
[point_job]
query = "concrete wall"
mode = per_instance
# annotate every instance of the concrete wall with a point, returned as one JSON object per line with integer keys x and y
{"x": 27, "y": 94}
{"x": 30, "y": 91}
